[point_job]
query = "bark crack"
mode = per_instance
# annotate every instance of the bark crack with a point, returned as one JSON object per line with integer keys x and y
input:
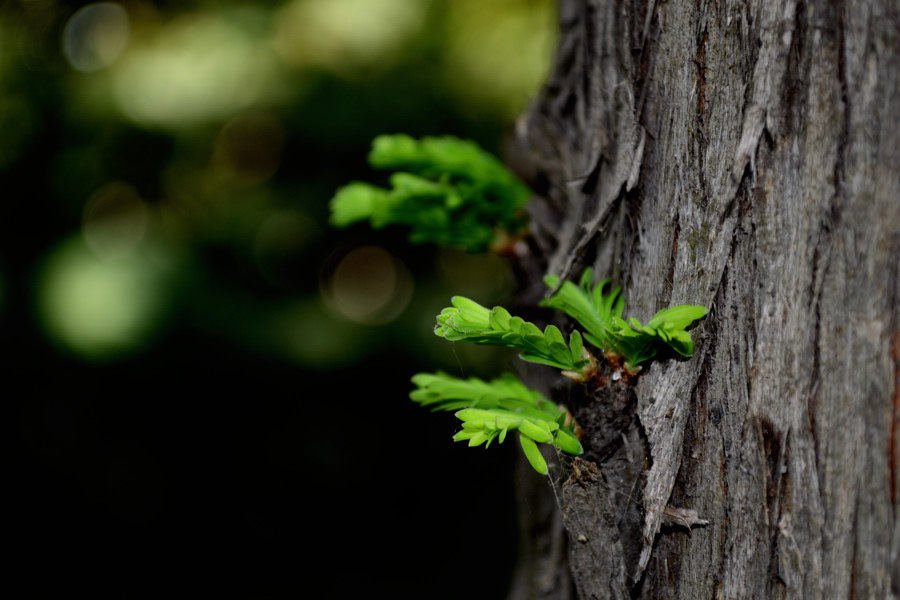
{"x": 840, "y": 164}
{"x": 669, "y": 281}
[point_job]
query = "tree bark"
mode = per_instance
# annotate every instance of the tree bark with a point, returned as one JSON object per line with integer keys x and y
{"x": 744, "y": 156}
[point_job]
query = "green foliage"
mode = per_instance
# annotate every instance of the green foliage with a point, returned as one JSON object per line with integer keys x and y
{"x": 601, "y": 315}
{"x": 490, "y": 409}
{"x": 446, "y": 190}
{"x": 469, "y": 321}
{"x": 450, "y": 192}
{"x": 591, "y": 307}
{"x": 639, "y": 343}
{"x": 443, "y": 392}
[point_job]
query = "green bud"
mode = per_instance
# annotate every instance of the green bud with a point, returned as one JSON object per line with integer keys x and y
{"x": 539, "y": 431}
{"x": 567, "y": 442}
{"x": 533, "y": 454}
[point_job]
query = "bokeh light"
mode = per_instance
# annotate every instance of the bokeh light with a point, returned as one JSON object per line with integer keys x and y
{"x": 96, "y": 35}
{"x": 497, "y": 52}
{"x": 168, "y": 276}
{"x": 103, "y": 308}
{"x": 368, "y": 285}
{"x": 199, "y": 68}
{"x": 349, "y": 37}
{"x": 115, "y": 220}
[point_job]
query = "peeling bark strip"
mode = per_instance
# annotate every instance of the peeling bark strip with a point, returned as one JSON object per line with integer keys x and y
{"x": 743, "y": 155}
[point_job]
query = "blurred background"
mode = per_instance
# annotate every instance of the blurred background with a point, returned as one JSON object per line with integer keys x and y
{"x": 206, "y": 386}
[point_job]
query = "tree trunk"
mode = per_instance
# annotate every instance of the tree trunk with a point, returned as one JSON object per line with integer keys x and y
{"x": 744, "y": 156}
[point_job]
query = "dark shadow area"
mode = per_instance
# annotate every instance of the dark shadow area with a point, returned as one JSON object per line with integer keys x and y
{"x": 198, "y": 401}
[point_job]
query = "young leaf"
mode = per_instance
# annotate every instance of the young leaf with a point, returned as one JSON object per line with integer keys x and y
{"x": 600, "y": 313}
{"x": 593, "y": 308}
{"x": 490, "y": 409}
{"x": 639, "y": 343}
{"x": 446, "y": 190}
{"x": 533, "y": 454}
{"x": 440, "y": 391}
{"x": 567, "y": 442}
{"x": 357, "y": 202}
{"x": 467, "y": 320}
{"x": 677, "y": 317}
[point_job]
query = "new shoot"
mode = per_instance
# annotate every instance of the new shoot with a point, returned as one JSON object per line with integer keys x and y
{"x": 489, "y": 410}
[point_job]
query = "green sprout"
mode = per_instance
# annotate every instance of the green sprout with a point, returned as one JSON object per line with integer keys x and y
{"x": 450, "y": 192}
{"x": 601, "y": 316}
{"x": 446, "y": 190}
{"x": 639, "y": 343}
{"x": 490, "y": 409}
{"x": 466, "y": 320}
{"x": 591, "y": 307}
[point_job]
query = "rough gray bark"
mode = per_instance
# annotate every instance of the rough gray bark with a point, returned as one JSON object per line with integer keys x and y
{"x": 744, "y": 156}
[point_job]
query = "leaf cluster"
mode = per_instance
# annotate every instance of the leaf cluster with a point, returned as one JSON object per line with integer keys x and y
{"x": 448, "y": 191}
{"x": 593, "y": 307}
{"x": 466, "y": 320}
{"x": 599, "y": 310}
{"x": 451, "y": 192}
{"x": 668, "y": 328}
{"x": 489, "y": 410}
